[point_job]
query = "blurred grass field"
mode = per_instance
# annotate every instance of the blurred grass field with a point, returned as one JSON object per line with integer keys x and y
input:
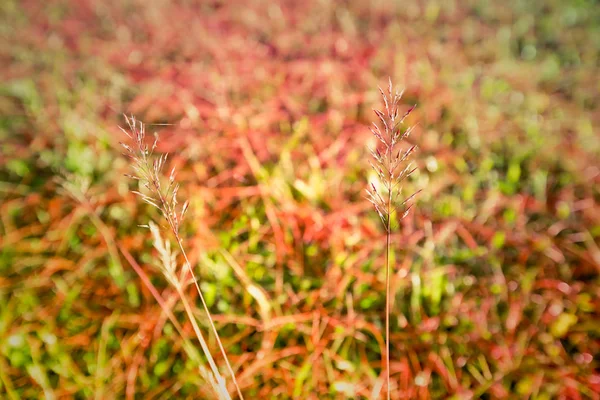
{"x": 264, "y": 109}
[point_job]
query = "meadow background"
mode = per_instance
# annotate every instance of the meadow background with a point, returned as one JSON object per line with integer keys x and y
{"x": 264, "y": 108}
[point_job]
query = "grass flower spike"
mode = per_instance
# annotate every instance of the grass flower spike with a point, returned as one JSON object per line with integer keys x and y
{"x": 390, "y": 163}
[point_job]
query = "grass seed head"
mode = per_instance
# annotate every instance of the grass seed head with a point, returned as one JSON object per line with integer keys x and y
{"x": 389, "y": 160}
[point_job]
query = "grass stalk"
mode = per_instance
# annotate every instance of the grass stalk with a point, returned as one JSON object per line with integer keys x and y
{"x": 166, "y": 309}
{"x": 210, "y": 320}
{"x": 148, "y": 172}
{"x": 387, "y": 308}
{"x": 392, "y": 169}
{"x": 190, "y": 313}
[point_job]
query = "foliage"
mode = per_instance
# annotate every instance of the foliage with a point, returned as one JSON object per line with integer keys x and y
{"x": 264, "y": 110}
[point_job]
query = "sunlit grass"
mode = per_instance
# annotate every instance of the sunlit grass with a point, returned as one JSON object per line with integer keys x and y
{"x": 266, "y": 109}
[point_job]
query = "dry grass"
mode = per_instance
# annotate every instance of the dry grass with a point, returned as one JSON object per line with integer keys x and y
{"x": 148, "y": 171}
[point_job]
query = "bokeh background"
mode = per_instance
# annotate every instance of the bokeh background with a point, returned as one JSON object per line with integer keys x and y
{"x": 264, "y": 108}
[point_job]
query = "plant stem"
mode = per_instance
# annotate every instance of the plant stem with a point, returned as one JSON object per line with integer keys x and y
{"x": 387, "y": 277}
{"x": 210, "y": 320}
{"x": 387, "y": 313}
{"x": 211, "y": 361}
{"x": 168, "y": 213}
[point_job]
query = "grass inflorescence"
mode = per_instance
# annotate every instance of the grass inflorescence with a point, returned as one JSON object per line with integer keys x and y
{"x": 149, "y": 172}
{"x": 392, "y": 166}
